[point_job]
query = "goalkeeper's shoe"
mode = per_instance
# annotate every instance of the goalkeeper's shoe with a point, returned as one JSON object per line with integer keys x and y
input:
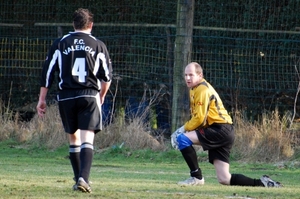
{"x": 83, "y": 186}
{"x": 268, "y": 182}
{"x": 191, "y": 182}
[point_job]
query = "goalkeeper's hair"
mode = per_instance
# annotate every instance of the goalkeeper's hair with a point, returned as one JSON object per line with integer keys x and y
{"x": 198, "y": 67}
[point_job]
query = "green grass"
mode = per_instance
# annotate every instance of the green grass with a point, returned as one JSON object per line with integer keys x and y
{"x": 28, "y": 172}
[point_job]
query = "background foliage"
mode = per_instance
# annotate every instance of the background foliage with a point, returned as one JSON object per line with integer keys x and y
{"x": 248, "y": 48}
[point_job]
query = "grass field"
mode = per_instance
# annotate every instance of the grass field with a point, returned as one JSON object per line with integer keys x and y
{"x": 28, "y": 172}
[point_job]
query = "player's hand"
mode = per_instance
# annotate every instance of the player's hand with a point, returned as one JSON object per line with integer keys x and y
{"x": 181, "y": 129}
{"x": 102, "y": 100}
{"x": 41, "y": 108}
{"x": 174, "y": 136}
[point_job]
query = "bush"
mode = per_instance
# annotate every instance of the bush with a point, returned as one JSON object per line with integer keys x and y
{"x": 132, "y": 135}
{"x": 267, "y": 140}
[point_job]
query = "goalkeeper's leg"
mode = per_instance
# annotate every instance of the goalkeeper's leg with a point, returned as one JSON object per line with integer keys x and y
{"x": 189, "y": 154}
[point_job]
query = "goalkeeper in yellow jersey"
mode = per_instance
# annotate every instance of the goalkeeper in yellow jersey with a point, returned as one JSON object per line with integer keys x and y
{"x": 211, "y": 127}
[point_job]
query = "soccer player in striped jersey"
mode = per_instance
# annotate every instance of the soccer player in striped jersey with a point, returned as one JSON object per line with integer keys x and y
{"x": 85, "y": 73}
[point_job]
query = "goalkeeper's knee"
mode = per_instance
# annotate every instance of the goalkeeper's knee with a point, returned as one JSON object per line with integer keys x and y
{"x": 183, "y": 141}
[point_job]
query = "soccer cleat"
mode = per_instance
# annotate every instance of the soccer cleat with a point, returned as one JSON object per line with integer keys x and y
{"x": 75, "y": 188}
{"x": 191, "y": 182}
{"x": 83, "y": 186}
{"x": 268, "y": 182}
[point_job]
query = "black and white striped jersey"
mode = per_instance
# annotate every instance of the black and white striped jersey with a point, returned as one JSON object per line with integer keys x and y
{"x": 80, "y": 59}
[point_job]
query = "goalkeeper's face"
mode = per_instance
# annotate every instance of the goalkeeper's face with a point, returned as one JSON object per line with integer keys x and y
{"x": 192, "y": 78}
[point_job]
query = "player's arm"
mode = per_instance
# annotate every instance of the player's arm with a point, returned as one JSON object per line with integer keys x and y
{"x": 105, "y": 73}
{"x": 47, "y": 77}
{"x": 50, "y": 66}
{"x": 41, "y": 106}
{"x": 104, "y": 88}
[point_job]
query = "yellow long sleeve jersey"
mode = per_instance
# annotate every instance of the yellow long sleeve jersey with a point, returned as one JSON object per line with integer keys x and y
{"x": 206, "y": 107}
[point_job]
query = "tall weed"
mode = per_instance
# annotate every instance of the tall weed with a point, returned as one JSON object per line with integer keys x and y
{"x": 266, "y": 140}
{"x": 47, "y": 131}
{"x": 134, "y": 134}
{"x": 11, "y": 127}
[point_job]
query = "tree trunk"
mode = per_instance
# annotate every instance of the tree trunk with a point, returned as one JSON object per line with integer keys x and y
{"x": 182, "y": 56}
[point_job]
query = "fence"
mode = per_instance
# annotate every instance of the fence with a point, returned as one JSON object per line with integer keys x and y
{"x": 249, "y": 50}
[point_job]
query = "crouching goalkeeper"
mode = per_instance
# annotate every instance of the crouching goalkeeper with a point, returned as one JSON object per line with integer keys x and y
{"x": 211, "y": 127}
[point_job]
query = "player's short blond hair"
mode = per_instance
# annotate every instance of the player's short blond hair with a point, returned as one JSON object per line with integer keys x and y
{"x": 198, "y": 67}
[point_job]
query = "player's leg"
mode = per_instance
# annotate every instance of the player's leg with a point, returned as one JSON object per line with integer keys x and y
{"x": 223, "y": 137}
{"x": 218, "y": 139}
{"x": 89, "y": 123}
{"x": 185, "y": 142}
{"x": 225, "y": 178}
{"x": 222, "y": 172}
{"x": 86, "y": 153}
{"x": 68, "y": 116}
{"x": 74, "y": 153}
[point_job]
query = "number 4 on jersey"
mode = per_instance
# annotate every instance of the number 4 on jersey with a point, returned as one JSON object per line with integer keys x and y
{"x": 79, "y": 69}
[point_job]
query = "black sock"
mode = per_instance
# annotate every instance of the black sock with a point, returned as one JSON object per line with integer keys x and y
{"x": 190, "y": 156}
{"x": 86, "y": 158}
{"x": 241, "y": 180}
{"x": 74, "y": 152}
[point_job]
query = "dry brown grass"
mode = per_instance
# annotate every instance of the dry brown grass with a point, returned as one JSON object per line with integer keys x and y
{"x": 47, "y": 131}
{"x": 42, "y": 132}
{"x": 267, "y": 140}
{"x": 10, "y": 125}
{"x": 133, "y": 134}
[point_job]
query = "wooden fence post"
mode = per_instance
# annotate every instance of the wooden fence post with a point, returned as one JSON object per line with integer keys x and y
{"x": 182, "y": 56}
